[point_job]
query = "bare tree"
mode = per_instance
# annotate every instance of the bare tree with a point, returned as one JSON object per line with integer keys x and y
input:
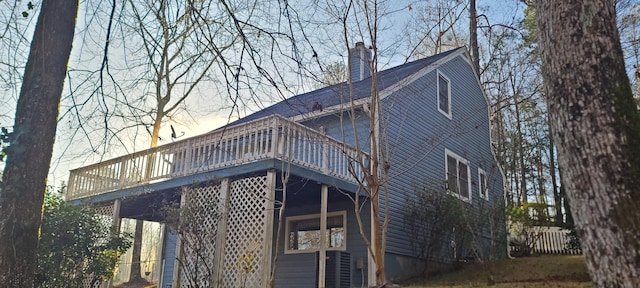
{"x": 436, "y": 28}
{"x": 377, "y": 170}
{"x": 15, "y": 19}
{"x": 596, "y": 127}
{"x": 373, "y": 163}
{"x": 109, "y": 109}
{"x": 629, "y": 26}
{"x": 31, "y": 142}
{"x": 178, "y": 49}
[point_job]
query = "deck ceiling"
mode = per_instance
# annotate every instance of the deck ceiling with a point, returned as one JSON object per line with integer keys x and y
{"x": 149, "y": 207}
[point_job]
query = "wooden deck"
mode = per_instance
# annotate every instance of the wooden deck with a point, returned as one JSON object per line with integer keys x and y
{"x": 270, "y": 137}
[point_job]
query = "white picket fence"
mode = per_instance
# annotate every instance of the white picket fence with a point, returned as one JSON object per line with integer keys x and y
{"x": 549, "y": 240}
{"x": 554, "y": 240}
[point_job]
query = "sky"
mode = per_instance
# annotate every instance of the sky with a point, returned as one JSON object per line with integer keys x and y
{"x": 392, "y": 45}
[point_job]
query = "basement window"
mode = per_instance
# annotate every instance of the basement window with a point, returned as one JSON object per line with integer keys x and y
{"x": 303, "y": 233}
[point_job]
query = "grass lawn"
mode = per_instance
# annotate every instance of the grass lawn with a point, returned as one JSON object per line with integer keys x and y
{"x": 535, "y": 271}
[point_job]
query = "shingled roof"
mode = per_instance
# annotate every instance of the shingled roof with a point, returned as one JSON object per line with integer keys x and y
{"x": 339, "y": 93}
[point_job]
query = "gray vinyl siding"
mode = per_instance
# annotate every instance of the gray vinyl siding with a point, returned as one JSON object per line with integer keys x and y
{"x": 418, "y": 135}
{"x": 299, "y": 270}
{"x": 344, "y": 132}
{"x": 169, "y": 258}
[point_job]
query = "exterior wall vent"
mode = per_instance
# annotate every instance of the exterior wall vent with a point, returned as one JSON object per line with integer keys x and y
{"x": 338, "y": 269}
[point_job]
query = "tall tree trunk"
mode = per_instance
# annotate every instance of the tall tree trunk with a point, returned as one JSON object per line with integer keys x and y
{"x": 376, "y": 176}
{"x": 557, "y": 196}
{"x": 31, "y": 143}
{"x": 135, "y": 275}
{"x": 473, "y": 36}
{"x": 542, "y": 192}
{"x": 596, "y": 127}
{"x": 515, "y": 178}
{"x": 136, "y": 271}
{"x": 520, "y": 145}
{"x": 568, "y": 222}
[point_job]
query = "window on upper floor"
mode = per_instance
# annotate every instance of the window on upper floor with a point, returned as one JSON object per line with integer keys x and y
{"x": 303, "y": 232}
{"x": 444, "y": 95}
{"x": 482, "y": 184}
{"x": 458, "y": 175}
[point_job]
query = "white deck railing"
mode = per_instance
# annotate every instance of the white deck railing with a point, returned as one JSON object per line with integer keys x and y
{"x": 270, "y": 137}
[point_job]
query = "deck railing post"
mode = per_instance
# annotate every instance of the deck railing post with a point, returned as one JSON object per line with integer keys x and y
{"x": 123, "y": 171}
{"x": 187, "y": 158}
{"x": 276, "y": 145}
{"x": 149, "y": 166}
{"x": 325, "y": 151}
{"x": 72, "y": 184}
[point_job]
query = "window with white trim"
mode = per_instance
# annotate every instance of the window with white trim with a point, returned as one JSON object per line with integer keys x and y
{"x": 444, "y": 95}
{"x": 303, "y": 232}
{"x": 458, "y": 175}
{"x": 482, "y": 184}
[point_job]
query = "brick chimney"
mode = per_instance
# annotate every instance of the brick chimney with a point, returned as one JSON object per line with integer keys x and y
{"x": 360, "y": 61}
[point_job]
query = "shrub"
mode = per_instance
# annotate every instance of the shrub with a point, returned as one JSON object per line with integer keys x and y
{"x": 77, "y": 247}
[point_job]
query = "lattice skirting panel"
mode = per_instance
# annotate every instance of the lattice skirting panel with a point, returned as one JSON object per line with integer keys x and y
{"x": 199, "y": 229}
{"x": 105, "y": 212}
{"x": 247, "y": 230}
{"x": 235, "y": 221}
{"x": 232, "y": 219}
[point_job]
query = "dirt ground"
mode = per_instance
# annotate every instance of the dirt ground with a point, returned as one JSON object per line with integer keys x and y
{"x": 535, "y": 271}
{"x": 143, "y": 284}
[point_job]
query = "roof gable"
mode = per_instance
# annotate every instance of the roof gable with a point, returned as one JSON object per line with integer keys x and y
{"x": 336, "y": 94}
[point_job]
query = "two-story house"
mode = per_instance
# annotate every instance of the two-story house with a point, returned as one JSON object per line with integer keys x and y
{"x": 304, "y": 151}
